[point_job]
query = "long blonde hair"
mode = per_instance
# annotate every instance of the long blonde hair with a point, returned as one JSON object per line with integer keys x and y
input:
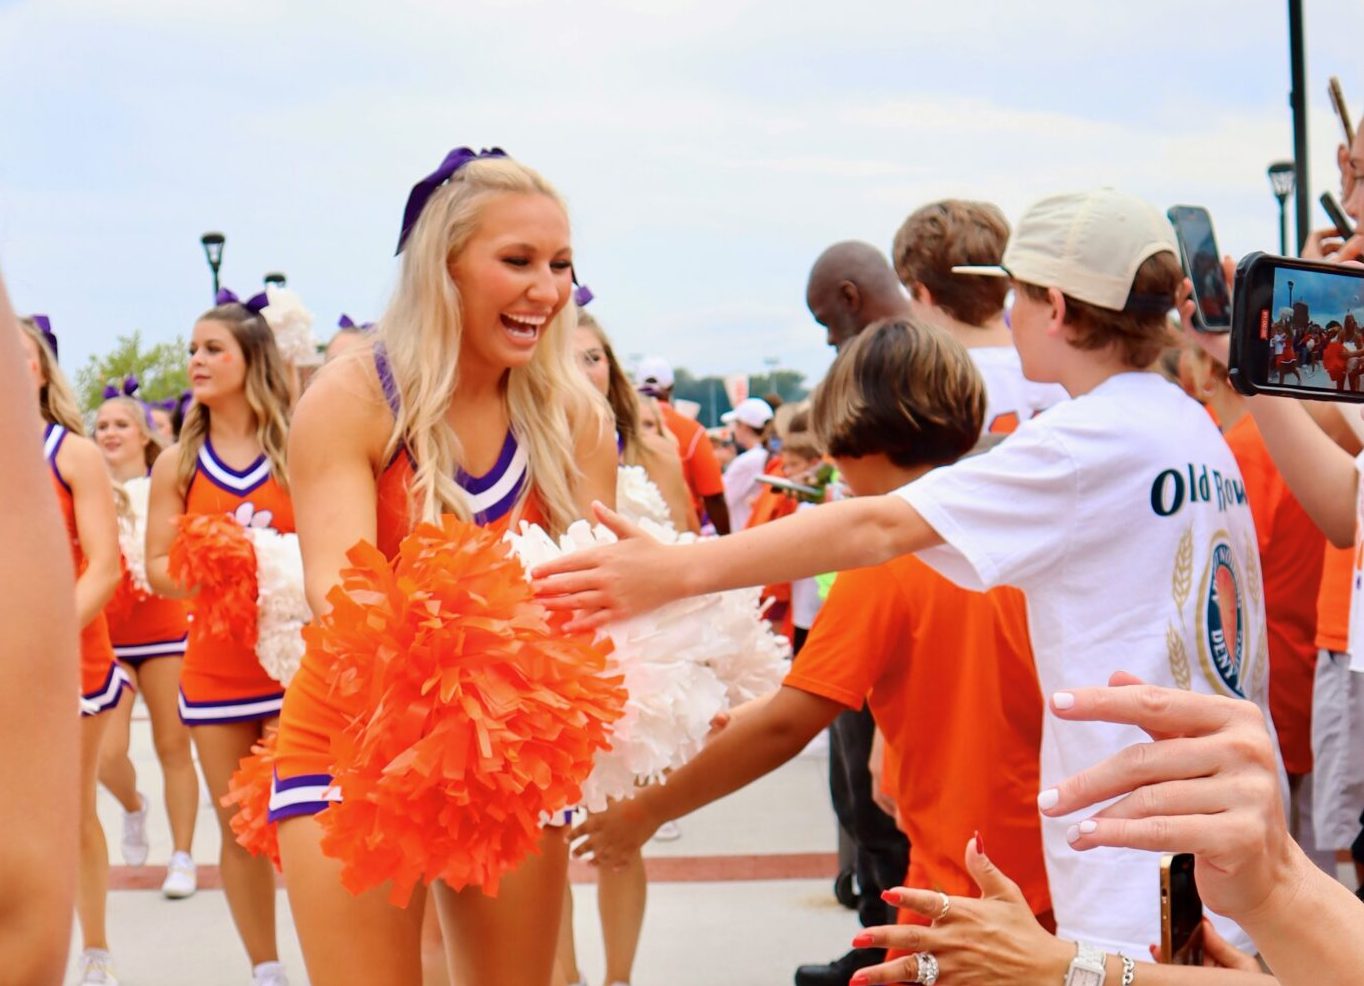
{"x": 266, "y": 390}
{"x": 56, "y": 399}
{"x": 547, "y": 400}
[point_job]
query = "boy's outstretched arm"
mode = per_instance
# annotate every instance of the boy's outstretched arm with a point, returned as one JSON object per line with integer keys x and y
{"x": 639, "y": 574}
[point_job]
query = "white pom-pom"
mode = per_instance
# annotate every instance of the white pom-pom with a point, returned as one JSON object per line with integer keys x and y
{"x": 132, "y": 533}
{"x": 638, "y": 499}
{"x": 292, "y": 325}
{"x": 682, "y": 663}
{"x": 282, "y": 604}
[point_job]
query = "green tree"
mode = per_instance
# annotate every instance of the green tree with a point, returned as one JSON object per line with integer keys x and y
{"x": 789, "y": 385}
{"x": 159, "y": 368}
{"x": 709, "y": 392}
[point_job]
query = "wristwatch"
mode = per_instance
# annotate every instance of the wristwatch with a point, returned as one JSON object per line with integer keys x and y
{"x": 1088, "y": 967}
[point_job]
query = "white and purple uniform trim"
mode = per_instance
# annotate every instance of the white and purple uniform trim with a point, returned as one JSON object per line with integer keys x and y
{"x": 135, "y": 655}
{"x": 230, "y": 710}
{"x": 236, "y": 481}
{"x": 306, "y": 794}
{"x": 106, "y": 696}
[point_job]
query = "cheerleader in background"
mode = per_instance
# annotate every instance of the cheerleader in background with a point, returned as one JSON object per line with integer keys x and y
{"x": 467, "y": 403}
{"x": 87, "y": 501}
{"x": 230, "y": 459}
{"x": 622, "y": 891}
{"x": 148, "y": 633}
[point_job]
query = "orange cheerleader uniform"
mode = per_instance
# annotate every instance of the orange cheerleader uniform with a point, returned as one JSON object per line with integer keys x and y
{"x": 302, "y": 783}
{"x": 144, "y": 627}
{"x": 221, "y": 680}
{"x": 102, "y": 680}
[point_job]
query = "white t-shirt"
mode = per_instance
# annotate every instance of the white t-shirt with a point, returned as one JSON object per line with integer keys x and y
{"x": 1122, "y": 516}
{"x": 741, "y": 485}
{"x": 805, "y": 599}
{"x": 1010, "y": 397}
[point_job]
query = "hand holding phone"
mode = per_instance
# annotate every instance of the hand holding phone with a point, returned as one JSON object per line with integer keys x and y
{"x": 1181, "y": 911}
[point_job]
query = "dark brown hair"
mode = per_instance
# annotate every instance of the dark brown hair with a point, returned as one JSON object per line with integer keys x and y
{"x": 619, "y": 394}
{"x": 903, "y": 390}
{"x": 1141, "y": 330}
{"x": 948, "y": 234}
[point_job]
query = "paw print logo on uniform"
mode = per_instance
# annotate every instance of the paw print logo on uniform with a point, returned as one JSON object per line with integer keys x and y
{"x": 248, "y": 516}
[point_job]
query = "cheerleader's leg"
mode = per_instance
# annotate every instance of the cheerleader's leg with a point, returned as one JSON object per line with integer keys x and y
{"x": 116, "y": 770}
{"x": 347, "y": 939}
{"x": 621, "y": 896}
{"x": 159, "y": 682}
{"x": 248, "y": 881}
{"x": 511, "y": 937}
{"x": 567, "y": 972}
{"x": 92, "y": 891}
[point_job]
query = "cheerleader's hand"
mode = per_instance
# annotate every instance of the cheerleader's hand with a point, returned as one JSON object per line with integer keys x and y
{"x": 613, "y": 837}
{"x": 611, "y": 582}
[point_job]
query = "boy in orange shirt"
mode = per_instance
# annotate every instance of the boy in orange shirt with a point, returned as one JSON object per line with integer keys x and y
{"x": 948, "y": 672}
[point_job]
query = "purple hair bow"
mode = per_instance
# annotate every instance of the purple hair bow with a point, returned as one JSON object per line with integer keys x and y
{"x": 424, "y": 189}
{"x": 582, "y": 296}
{"x": 129, "y": 388}
{"x": 254, "y": 304}
{"x": 44, "y": 325}
{"x": 346, "y": 322}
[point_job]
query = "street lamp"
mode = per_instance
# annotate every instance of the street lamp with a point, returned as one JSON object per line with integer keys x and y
{"x": 275, "y": 278}
{"x": 213, "y": 253}
{"x": 1282, "y": 176}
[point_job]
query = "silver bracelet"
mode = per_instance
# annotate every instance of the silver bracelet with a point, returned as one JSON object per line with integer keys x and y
{"x": 1129, "y": 970}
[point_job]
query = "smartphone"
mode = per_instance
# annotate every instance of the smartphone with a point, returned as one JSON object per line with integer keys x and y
{"x": 1298, "y": 329}
{"x": 1203, "y": 264}
{"x": 1342, "y": 114}
{"x": 1343, "y": 225}
{"x": 812, "y": 494}
{"x": 1181, "y": 912}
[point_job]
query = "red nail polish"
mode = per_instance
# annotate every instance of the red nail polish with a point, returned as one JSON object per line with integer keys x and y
{"x": 890, "y": 896}
{"x": 864, "y": 940}
{"x": 859, "y": 979}
{"x": 980, "y": 844}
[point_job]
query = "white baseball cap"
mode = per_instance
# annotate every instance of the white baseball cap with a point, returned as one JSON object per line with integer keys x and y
{"x": 1087, "y": 244}
{"x": 753, "y": 411}
{"x": 654, "y": 371}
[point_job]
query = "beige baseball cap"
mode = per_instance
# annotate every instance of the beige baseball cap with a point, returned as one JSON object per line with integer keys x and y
{"x": 1087, "y": 244}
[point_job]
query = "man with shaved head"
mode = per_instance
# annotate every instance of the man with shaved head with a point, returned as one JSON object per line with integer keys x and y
{"x": 852, "y": 285}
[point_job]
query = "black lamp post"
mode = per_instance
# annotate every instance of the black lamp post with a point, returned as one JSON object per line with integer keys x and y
{"x": 1282, "y": 177}
{"x": 275, "y": 278}
{"x": 213, "y": 252}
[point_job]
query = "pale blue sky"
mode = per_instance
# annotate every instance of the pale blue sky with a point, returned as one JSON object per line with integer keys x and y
{"x": 708, "y": 150}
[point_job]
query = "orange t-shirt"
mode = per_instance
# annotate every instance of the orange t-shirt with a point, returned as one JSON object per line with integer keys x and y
{"x": 1291, "y": 553}
{"x": 699, "y": 465}
{"x": 950, "y": 677}
{"x": 1333, "y": 602}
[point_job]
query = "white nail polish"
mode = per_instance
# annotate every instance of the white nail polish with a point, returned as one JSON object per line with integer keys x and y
{"x": 1073, "y": 834}
{"x": 1088, "y": 827}
{"x": 1048, "y": 798}
{"x": 1062, "y": 700}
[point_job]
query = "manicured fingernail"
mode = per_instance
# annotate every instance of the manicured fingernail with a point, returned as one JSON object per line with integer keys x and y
{"x": 890, "y": 896}
{"x": 1047, "y": 799}
{"x": 980, "y": 844}
{"x": 1062, "y": 700}
{"x": 1088, "y": 827}
{"x": 1073, "y": 834}
{"x": 859, "y": 979}
{"x": 863, "y": 940}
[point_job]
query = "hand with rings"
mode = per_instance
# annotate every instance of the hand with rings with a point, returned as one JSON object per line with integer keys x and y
{"x": 987, "y": 941}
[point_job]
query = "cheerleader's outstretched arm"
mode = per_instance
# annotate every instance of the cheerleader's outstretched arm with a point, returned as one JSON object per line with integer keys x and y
{"x": 165, "y": 502}
{"x": 639, "y": 574}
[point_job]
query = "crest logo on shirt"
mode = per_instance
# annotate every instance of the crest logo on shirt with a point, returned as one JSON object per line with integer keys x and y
{"x": 1221, "y": 613}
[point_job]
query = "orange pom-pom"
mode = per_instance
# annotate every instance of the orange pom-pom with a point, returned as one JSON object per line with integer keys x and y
{"x": 481, "y": 715}
{"x": 213, "y": 553}
{"x": 249, "y": 790}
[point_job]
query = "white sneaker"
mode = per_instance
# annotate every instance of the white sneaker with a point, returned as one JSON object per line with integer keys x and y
{"x": 135, "y": 846}
{"x": 182, "y": 879}
{"x": 269, "y": 974}
{"x": 668, "y": 832}
{"x": 96, "y": 968}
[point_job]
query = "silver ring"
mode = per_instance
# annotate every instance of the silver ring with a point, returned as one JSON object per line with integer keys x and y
{"x": 926, "y": 968}
{"x": 946, "y": 906}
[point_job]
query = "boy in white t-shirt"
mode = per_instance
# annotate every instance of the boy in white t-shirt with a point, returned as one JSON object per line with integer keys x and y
{"x": 1121, "y": 514}
{"x": 954, "y": 233}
